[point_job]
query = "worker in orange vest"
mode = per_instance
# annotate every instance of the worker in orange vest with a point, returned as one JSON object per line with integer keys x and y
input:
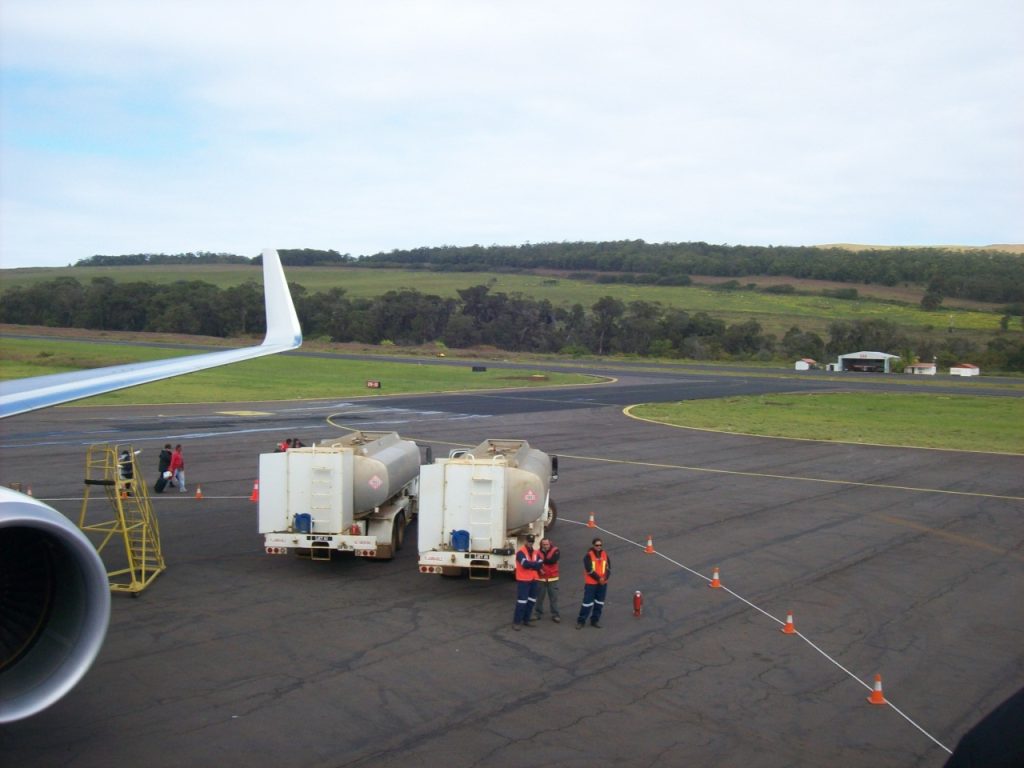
{"x": 597, "y": 568}
{"x": 528, "y": 565}
{"x": 547, "y": 583}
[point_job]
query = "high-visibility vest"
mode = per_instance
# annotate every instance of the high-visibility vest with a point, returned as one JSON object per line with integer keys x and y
{"x": 549, "y": 571}
{"x": 600, "y": 566}
{"x": 523, "y": 573}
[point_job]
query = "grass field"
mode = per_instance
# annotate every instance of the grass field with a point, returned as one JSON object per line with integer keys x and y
{"x": 923, "y": 420}
{"x": 963, "y": 422}
{"x": 775, "y": 312}
{"x": 278, "y": 377}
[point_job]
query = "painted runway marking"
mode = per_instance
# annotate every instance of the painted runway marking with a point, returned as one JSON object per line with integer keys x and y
{"x": 952, "y": 537}
{"x": 778, "y": 621}
{"x": 392, "y": 417}
{"x": 628, "y": 411}
{"x": 800, "y": 478}
{"x": 385, "y": 417}
{"x": 125, "y": 439}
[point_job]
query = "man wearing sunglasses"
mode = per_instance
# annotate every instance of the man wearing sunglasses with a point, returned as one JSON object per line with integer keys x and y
{"x": 596, "y": 570}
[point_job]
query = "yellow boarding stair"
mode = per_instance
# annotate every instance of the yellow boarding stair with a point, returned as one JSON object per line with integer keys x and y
{"x": 113, "y": 468}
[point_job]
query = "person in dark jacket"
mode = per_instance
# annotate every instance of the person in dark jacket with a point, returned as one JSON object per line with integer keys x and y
{"x": 126, "y": 466}
{"x": 597, "y": 568}
{"x": 163, "y": 466}
{"x": 547, "y": 583}
{"x": 528, "y": 565}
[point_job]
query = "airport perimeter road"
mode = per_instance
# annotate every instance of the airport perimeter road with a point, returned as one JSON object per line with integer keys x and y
{"x": 906, "y": 563}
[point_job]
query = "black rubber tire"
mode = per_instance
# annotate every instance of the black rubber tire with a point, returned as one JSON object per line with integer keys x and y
{"x": 398, "y": 533}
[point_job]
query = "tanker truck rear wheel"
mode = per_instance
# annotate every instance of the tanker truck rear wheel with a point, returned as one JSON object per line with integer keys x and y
{"x": 398, "y": 532}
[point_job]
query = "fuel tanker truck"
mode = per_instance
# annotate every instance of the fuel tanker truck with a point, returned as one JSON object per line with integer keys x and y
{"x": 354, "y": 494}
{"x": 478, "y": 506}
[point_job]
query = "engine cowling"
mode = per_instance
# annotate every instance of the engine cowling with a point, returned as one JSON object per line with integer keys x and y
{"x": 54, "y": 605}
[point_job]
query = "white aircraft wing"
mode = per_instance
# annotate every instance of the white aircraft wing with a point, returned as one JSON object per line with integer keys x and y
{"x": 283, "y": 333}
{"x": 44, "y": 653}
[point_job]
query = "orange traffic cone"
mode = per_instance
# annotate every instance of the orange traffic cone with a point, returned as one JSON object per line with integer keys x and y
{"x": 715, "y": 583}
{"x": 876, "y": 696}
{"x": 199, "y": 492}
{"x": 789, "y": 629}
{"x": 649, "y": 549}
{"x": 255, "y": 491}
{"x": 590, "y": 523}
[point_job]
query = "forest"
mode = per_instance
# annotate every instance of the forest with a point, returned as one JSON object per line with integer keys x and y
{"x": 480, "y": 317}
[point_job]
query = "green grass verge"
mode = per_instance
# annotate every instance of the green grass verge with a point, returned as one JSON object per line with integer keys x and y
{"x": 278, "y": 377}
{"x": 962, "y": 422}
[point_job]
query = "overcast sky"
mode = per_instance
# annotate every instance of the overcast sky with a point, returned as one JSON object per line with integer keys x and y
{"x": 216, "y": 125}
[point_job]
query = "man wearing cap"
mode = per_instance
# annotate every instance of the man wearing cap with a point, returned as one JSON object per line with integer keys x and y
{"x": 596, "y": 570}
{"x": 528, "y": 565}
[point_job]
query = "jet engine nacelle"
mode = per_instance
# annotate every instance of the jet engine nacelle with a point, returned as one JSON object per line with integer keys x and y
{"x": 54, "y": 605}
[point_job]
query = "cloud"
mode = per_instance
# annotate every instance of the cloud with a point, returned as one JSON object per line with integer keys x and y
{"x": 140, "y": 126}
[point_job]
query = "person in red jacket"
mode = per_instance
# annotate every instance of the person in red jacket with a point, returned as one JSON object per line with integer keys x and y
{"x": 177, "y": 468}
{"x": 597, "y": 568}
{"x": 528, "y": 565}
{"x": 547, "y": 583}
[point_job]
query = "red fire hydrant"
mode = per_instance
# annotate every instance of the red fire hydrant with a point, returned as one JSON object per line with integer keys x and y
{"x": 638, "y": 603}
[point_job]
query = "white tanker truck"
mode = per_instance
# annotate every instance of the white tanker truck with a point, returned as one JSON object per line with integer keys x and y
{"x": 355, "y": 494}
{"x": 478, "y": 506}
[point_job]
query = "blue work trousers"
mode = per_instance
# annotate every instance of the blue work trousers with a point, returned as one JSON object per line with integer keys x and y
{"x": 526, "y": 598}
{"x": 593, "y": 600}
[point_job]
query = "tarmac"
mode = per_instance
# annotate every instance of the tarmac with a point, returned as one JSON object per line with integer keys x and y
{"x": 899, "y": 562}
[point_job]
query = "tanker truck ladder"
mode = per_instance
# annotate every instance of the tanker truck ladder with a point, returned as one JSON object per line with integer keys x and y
{"x": 134, "y": 524}
{"x": 481, "y": 506}
{"x": 321, "y": 492}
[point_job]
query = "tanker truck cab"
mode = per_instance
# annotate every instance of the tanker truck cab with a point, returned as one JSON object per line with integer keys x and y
{"x": 355, "y": 494}
{"x": 478, "y": 506}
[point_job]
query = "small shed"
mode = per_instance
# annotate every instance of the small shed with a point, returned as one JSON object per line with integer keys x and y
{"x": 868, "y": 362}
{"x": 964, "y": 369}
{"x": 805, "y": 364}
{"x": 921, "y": 369}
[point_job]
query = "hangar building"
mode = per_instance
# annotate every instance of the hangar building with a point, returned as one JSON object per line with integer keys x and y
{"x": 870, "y": 362}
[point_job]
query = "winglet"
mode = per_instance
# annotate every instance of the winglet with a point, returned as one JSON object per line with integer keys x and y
{"x": 283, "y": 333}
{"x": 282, "y": 322}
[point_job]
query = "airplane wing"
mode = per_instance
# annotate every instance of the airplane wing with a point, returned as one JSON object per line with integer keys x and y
{"x": 283, "y": 333}
{"x": 54, "y": 590}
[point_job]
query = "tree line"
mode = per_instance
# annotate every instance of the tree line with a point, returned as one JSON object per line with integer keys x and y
{"x": 296, "y": 257}
{"x": 478, "y": 317}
